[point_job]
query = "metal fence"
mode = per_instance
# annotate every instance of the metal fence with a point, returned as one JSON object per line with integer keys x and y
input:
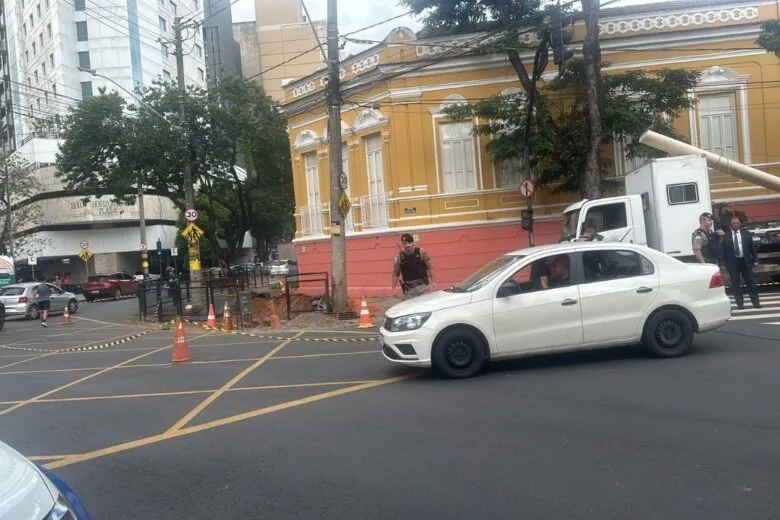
{"x": 162, "y": 301}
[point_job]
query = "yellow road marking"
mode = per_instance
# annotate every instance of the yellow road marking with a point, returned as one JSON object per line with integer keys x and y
{"x": 25, "y": 361}
{"x": 221, "y": 422}
{"x": 107, "y": 322}
{"x": 190, "y": 392}
{"x": 85, "y": 378}
{"x": 48, "y": 457}
{"x": 38, "y": 356}
{"x": 214, "y": 396}
{"x": 302, "y": 356}
{"x": 155, "y": 365}
{"x": 37, "y": 342}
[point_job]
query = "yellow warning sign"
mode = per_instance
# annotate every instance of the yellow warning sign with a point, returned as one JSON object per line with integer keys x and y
{"x": 194, "y": 264}
{"x": 145, "y": 265}
{"x": 85, "y": 255}
{"x": 344, "y": 204}
{"x": 192, "y": 233}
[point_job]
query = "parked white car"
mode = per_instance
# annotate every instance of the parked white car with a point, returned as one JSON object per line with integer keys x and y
{"x": 605, "y": 294}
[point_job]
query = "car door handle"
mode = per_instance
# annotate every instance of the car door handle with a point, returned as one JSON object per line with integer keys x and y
{"x": 644, "y": 290}
{"x": 569, "y": 301}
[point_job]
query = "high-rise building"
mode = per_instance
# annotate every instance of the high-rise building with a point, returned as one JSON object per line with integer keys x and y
{"x": 223, "y": 57}
{"x": 60, "y": 52}
{"x": 286, "y": 45}
{"x": 245, "y": 33}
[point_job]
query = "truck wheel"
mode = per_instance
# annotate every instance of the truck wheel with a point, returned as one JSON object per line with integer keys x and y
{"x": 458, "y": 354}
{"x": 668, "y": 334}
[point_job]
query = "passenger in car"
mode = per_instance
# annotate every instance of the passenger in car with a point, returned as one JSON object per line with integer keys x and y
{"x": 553, "y": 273}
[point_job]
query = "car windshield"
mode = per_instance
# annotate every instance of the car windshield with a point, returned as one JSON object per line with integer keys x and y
{"x": 11, "y": 291}
{"x": 98, "y": 279}
{"x": 486, "y": 274}
{"x": 570, "y": 221}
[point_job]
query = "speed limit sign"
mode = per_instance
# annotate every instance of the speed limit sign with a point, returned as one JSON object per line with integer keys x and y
{"x": 191, "y": 215}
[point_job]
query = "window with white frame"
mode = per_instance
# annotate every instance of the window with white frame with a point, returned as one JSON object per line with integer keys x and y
{"x": 457, "y": 157}
{"x": 313, "y": 216}
{"x": 510, "y": 172}
{"x": 718, "y": 124}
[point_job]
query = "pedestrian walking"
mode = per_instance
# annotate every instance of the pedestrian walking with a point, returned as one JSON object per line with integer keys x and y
{"x": 42, "y": 296}
{"x": 740, "y": 256}
{"x": 414, "y": 267}
{"x": 705, "y": 240}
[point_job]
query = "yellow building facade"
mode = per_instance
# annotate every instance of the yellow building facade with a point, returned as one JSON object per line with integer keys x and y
{"x": 411, "y": 169}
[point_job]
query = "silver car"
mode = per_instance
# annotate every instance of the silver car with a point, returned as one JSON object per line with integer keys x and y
{"x": 18, "y": 300}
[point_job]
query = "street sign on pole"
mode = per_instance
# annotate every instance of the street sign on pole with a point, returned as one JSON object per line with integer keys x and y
{"x": 174, "y": 251}
{"x": 191, "y": 215}
{"x": 84, "y": 244}
{"x": 143, "y": 247}
{"x": 527, "y": 188}
{"x": 32, "y": 260}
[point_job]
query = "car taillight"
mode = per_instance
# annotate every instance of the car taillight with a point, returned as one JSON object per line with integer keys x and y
{"x": 716, "y": 281}
{"x": 23, "y": 299}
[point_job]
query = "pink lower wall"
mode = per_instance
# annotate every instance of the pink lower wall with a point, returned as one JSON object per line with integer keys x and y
{"x": 455, "y": 252}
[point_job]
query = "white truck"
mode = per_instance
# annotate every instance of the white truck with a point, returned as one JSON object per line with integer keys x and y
{"x": 660, "y": 209}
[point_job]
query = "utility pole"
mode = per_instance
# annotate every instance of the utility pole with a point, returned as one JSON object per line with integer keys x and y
{"x": 189, "y": 194}
{"x": 540, "y": 63}
{"x": 338, "y": 242}
{"x": 8, "y": 217}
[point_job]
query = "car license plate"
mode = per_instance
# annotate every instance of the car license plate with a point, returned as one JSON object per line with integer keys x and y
{"x": 95, "y": 292}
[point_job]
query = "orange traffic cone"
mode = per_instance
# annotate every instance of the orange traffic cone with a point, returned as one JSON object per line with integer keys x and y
{"x": 365, "y": 316}
{"x": 227, "y": 320}
{"x": 181, "y": 350}
{"x": 66, "y": 317}
{"x": 276, "y": 324}
{"x": 211, "y": 321}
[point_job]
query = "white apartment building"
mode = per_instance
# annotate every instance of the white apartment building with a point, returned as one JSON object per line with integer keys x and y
{"x": 48, "y": 41}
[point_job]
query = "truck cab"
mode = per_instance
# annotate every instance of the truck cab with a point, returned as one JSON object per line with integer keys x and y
{"x": 661, "y": 208}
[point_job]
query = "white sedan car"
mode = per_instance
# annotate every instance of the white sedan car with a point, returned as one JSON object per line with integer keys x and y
{"x": 558, "y": 298}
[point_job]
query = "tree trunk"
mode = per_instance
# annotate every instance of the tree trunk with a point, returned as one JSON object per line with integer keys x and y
{"x": 590, "y": 185}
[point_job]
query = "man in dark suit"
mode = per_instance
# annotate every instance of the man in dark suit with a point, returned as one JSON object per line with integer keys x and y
{"x": 740, "y": 256}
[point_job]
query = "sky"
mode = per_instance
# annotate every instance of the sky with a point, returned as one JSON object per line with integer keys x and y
{"x": 356, "y": 14}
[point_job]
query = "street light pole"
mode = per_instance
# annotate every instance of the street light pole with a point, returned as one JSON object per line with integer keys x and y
{"x": 141, "y": 212}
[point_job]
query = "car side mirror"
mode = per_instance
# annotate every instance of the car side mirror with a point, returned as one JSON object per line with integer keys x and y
{"x": 507, "y": 290}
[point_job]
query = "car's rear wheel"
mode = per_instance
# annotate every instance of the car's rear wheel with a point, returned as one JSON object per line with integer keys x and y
{"x": 668, "y": 333}
{"x": 34, "y": 312}
{"x": 73, "y": 306}
{"x": 458, "y": 354}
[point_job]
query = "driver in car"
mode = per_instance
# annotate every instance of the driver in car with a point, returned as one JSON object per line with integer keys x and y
{"x": 553, "y": 273}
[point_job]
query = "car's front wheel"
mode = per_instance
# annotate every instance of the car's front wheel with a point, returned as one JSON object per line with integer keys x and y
{"x": 458, "y": 353}
{"x": 73, "y": 306}
{"x": 668, "y": 333}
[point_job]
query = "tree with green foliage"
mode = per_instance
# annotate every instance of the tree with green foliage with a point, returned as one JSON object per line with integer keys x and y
{"x": 18, "y": 185}
{"x": 111, "y": 146}
{"x": 769, "y": 38}
{"x": 567, "y": 134}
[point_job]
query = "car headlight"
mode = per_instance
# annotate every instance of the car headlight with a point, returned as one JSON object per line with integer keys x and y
{"x": 410, "y": 322}
{"x": 61, "y": 510}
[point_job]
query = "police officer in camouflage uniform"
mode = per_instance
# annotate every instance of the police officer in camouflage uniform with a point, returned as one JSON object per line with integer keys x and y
{"x": 706, "y": 240}
{"x": 414, "y": 267}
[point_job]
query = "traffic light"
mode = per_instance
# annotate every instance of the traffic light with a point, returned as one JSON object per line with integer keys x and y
{"x": 159, "y": 247}
{"x": 561, "y": 34}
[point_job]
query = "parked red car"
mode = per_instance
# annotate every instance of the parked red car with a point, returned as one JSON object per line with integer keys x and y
{"x": 113, "y": 285}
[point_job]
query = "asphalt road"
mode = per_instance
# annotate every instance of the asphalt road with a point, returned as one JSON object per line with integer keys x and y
{"x": 308, "y": 429}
